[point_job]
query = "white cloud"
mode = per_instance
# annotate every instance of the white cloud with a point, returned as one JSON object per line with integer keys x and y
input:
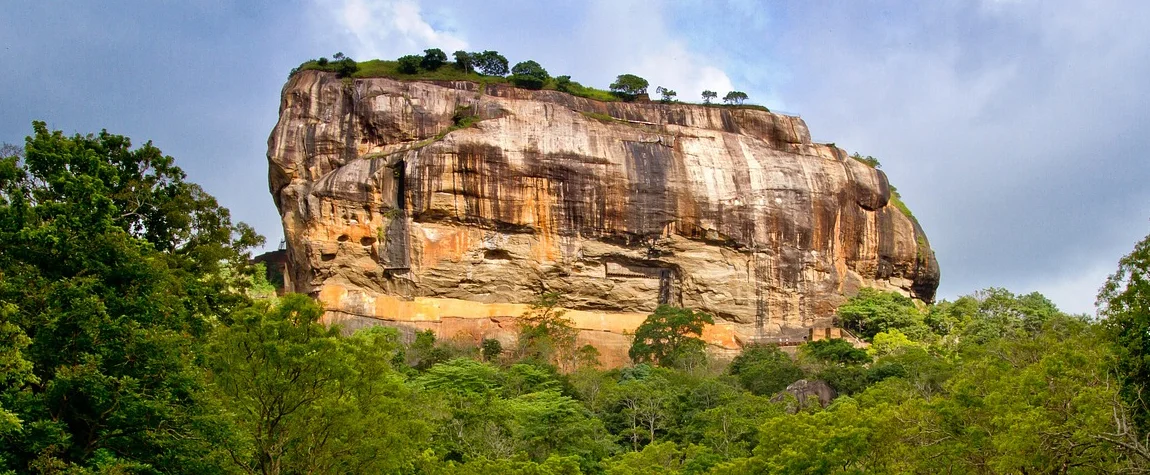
{"x": 384, "y": 28}
{"x": 619, "y": 37}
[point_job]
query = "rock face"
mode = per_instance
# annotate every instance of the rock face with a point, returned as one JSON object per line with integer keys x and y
{"x": 806, "y": 394}
{"x": 451, "y": 206}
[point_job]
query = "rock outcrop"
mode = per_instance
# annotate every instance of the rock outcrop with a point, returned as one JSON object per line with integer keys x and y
{"x": 451, "y": 206}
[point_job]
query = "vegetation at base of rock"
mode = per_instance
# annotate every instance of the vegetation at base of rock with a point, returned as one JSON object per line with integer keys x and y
{"x": 671, "y": 337}
{"x": 130, "y": 342}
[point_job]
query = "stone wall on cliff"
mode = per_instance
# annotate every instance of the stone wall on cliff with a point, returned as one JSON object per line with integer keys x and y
{"x": 394, "y": 213}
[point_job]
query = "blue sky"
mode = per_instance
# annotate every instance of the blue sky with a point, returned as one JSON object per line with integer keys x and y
{"x": 1015, "y": 129}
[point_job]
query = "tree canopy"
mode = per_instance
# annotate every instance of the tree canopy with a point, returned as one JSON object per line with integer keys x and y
{"x": 735, "y": 97}
{"x": 629, "y": 86}
{"x": 490, "y": 63}
{"x": 671, "y": 337}
{"x": 529, "y": 75}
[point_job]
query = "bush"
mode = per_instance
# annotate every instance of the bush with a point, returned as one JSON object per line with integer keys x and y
{"x": 409, "y": 64}
{"x": 490, "y": 349}
{"x": 836, "y": 351}
{"x": 529, "y": 75}
{"x": 432, "y": 59}
{"x": 764, "y": 369}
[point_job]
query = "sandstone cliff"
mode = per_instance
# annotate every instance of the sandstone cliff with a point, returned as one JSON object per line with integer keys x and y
{"x": 451, "y": 206}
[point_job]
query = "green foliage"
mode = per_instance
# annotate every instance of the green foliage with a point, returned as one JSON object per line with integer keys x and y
{"x": 896, "y": 200}
{"x": 1124, "y": 301}
{"x": 546, "y": 335}
{"x": 867, "y": 160}
{"x": 433, "y": 59}
{"x": 490, "y": 63}
{"x": 342, "y": 65}
{"x": 529, "y": 75}
{"x": 764, "y": 369}
{"x": 408, "y": 64}
{"x": 874, "y": 311}
{"x": 836, "y": 351}
{"x": 112, "y": 273}
{"x": 129, "y": 343}
{"x": 990, "y": 314}
{"x": 306, "y": 400}
{"x": 629, "y": 86}
{"x": 490, "y": 349}
{"x": 709, "y": 96}
{"x": 666, "y": 95}
{"x": 463, "y": 62}
{"x": 735, "y": 97}
{"x": 565, "y": 84}
{"x": 670, "y": 337}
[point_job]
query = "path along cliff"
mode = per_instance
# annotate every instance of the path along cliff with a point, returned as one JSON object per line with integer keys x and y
{"x": 451, "y": 205}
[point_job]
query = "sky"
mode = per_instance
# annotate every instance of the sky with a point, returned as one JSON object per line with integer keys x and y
{"x": 1016, "y": 130}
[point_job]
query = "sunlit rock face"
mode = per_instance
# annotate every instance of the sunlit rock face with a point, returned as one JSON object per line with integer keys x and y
{"x": 395, "y": 214}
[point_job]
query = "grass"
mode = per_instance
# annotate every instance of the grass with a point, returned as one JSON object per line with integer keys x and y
{"x": 896, "y": 199}
{"x": 378, "y": 68}
{"x": 598, "y": 116}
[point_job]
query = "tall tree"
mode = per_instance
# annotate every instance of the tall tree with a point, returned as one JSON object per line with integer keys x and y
{"x": 735, "y": 97}
{"x": 1125, "y": 303}
{"x": 112, "y": 271}
{"x": 546, "y": 335}
{"x": 629, "y": 86}
{"x": 309, "y": 401}
{"x": 464, "y": 61}
{"x": 709, "y": 96}
{"x": 432, "y": 59}
{"x": 490, "y": 63}
{"x": 671, "y": 337}
{"x": 529, "y": 74}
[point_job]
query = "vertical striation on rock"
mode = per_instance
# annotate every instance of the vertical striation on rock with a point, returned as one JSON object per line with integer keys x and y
{"x": 395, "y": 214}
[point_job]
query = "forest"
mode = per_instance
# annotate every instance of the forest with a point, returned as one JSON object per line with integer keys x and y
{"x": 137, "y": 337}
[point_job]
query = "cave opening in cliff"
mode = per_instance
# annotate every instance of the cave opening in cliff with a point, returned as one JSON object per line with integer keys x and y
{"x": 400, "y": 171}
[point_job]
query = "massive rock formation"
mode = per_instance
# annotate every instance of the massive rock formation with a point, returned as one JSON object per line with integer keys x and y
{"x": 451, "y": 206}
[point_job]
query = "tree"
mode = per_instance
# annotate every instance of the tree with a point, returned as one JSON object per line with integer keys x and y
{"x": 670, "y": 337}
{"x": 409, "y": 64}
{"x": 546, "y": 335}
{"x": 835, "y": 352}
{"x": 563, "y": 83}
{"x": 112, "y": 273}
{"x": 735, "y": 97}
{"x": 432, "y": 59}
{"x": 709, "y": 96}
{"x": 874, "y": 311}
{"x": 629, "y": 86}
{"x": 529, "y": 74}
{"x": 666, "y": 95}
{"x": 490, "y": 63}
{"x": 490, "y": 349}
{"x": 464, "y": 62}
{"x": 1124, "y": 301}
{"x": 764, "y": 369}
{"x": 990, "y": 314}
{"x": 310, "y": 401}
